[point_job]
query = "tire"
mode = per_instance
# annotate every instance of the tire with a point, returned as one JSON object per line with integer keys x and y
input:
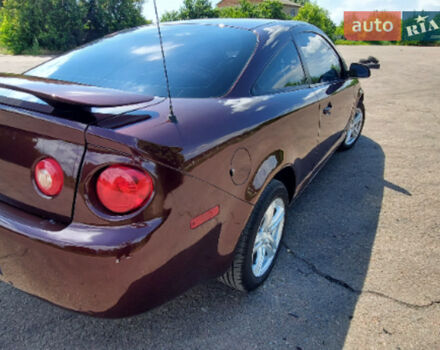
{"x": 243, "y": 274}
{"x": 350, "y": 141}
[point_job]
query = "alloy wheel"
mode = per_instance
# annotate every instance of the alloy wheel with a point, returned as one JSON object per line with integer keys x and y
{"x": 268, "y": 238}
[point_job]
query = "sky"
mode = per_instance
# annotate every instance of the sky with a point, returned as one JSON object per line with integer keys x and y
{"x": 335, "y": 7}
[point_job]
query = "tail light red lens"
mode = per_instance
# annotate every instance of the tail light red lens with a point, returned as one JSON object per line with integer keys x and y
{"x": 122, "y": 189}
{"x": 49, "y": 177}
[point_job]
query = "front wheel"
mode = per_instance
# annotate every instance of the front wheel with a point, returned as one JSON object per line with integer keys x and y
{"x": 259, "y": 243}
{"x": 355, "y": 127}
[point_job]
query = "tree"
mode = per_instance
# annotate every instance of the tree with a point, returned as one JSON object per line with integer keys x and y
{"x": 59, "y": 25}
{"x": 266, "y": 9}
{"x": 107, "y": 16}
{"x": 198, "y": 9}
{"x": 192, "y": 9}
{"x": 245, "y": 9}
{"x": 25, "y": 23}
{"x": 339, "y": 31}
{"x": 170, "y": 16}
{"x": 317, "y": 16}
{"x": 271, "y": 9}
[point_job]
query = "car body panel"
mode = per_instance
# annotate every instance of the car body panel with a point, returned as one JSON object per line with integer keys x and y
{"x": 26, "y": 138}
{"x": 65, "y": 93}
{"x": 338, "y": 95}
{"x": 128, "y": 269}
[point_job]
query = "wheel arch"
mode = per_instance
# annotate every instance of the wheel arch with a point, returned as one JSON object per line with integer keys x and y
{"x": 272, "y": 167}
{"x": 287, "y": 176}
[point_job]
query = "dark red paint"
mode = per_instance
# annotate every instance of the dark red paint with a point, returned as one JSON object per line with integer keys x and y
{"x": 206, "y": 216}
{"x": 221, "y": 153}
{"x": 66, "y": 93}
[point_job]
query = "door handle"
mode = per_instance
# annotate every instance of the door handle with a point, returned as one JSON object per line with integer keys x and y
{"x": 328, "y": 110}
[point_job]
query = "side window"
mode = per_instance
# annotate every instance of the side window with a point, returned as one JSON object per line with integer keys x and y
{"x": 283, "y": 72}
{"x": 322, "y": 61}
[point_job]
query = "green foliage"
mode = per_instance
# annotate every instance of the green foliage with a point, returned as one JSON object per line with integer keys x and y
{"x": 350, "y": 42}
{"x": 58, "y": 25}
{"x": 316, "y": 15}
{"x": 266, "y": 9}
{"x": 170, "y": 16}
{"x": 191, "y": 9}
{"x": 246, "y": 9}
{"x": 339, "y": 31}
{"x": 271, "y": 9}
{"x": 18, "y": 24}
{"x": 107, "y": 16}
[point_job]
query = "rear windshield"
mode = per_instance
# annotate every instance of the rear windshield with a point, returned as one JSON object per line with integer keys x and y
{"x": 202, "y": 61}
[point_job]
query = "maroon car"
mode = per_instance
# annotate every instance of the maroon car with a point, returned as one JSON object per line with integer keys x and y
{"x": 115, "y": 198}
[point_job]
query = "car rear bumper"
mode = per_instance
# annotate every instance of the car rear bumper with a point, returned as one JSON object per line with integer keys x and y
{"x": 71, "y": 267}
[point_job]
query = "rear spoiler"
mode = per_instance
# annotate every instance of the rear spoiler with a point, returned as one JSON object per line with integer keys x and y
{"x": 61, "y": 94}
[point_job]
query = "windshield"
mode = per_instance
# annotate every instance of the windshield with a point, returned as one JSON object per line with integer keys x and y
{"x": 202, "y": 61}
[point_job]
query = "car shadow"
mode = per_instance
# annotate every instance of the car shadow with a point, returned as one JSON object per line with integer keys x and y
{"x": 307, "y": 303}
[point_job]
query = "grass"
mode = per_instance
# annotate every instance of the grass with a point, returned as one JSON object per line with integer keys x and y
{"x": 386, "y": 43}
{"x": 4, "y": 51}
{"x": 350, "y": 42}
{"x": 35, "y": 50}
{"x": 39, "y": 52}
{"x": 30, "y": 52}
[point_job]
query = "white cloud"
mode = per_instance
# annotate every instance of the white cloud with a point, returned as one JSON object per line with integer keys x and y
{"x": 153, "y": 52}
{"x": 274, "y": 32}
{"x": 245, "y": 103}
{"x": 428, "y": 5}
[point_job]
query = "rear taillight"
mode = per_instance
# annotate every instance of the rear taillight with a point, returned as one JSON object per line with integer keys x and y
{"x": 122, "y": 189}
{"x": 49, "y": 177}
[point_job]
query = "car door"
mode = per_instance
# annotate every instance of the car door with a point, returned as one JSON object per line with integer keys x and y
{"x": 333, "y": 91}
{"x": 295, "y": 105}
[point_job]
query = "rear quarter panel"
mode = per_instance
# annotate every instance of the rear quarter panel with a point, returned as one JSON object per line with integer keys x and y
{"x": 239, "y": 142}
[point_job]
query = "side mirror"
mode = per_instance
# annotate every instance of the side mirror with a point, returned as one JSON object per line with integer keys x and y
{"x": 358, "y": 70}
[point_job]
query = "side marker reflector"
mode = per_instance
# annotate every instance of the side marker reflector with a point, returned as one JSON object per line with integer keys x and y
{"x": 206, "y": 216}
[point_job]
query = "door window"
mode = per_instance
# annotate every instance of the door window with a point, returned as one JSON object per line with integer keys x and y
{"x": 283, "y": 72}
{"x": 322, "y": 61}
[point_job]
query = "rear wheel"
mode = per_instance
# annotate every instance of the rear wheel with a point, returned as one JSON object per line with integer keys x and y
{"x": 355, "y": 127}
{"x": 259, "y": 243}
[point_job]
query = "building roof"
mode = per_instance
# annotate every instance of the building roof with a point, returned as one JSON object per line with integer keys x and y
{"x": 289, "y": 3}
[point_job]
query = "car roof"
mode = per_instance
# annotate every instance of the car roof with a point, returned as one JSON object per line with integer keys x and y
{"x": 243, "y": 23}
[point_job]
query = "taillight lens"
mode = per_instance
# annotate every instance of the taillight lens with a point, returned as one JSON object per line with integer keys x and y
{"x": 122, "y": 189}
{"x": 49, "y": 177}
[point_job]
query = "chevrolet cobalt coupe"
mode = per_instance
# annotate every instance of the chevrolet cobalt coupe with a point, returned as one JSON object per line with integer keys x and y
{"x": 115, "y": 197}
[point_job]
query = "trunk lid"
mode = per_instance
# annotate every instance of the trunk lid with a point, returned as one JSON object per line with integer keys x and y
{"x": 43, "y": 118}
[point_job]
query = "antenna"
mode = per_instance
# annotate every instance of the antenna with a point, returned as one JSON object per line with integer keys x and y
{"x": 172, "y": 116}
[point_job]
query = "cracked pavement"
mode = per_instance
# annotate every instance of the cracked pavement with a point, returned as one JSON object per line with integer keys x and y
{"x": 360, "y": 264}
{"x": 351, "y": 289}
